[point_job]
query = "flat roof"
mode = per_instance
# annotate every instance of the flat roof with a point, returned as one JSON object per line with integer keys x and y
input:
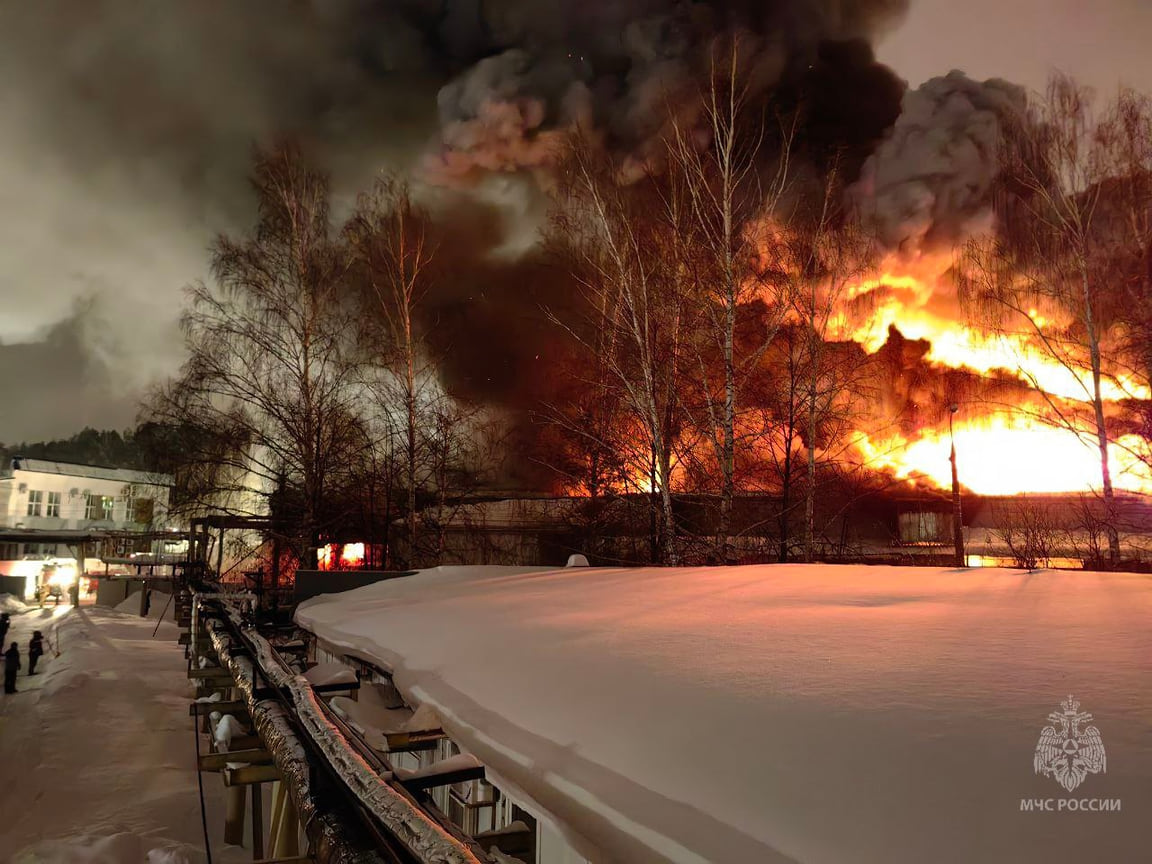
{"x": 94, "y": 472}
{"x": 82, "y": 535}
{"x": 779, "y": 713}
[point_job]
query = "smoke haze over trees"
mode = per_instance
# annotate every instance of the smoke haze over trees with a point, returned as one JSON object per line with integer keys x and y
{"x": 472, "y": 108}
{"x": 129, "y": 132}
{"x": 133, "y": 132}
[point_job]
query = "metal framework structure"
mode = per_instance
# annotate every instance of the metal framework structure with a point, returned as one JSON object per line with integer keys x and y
{"x": 329, "y": 786}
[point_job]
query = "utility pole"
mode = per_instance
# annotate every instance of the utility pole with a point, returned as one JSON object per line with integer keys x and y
{"x": 957, "y": 515}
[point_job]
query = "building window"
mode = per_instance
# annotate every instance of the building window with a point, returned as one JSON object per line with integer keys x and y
{"x": 53, "y": 508}
{"x": 35, "y": 500}
{"x": 99, "y": 507}
{"x": 9, "y": 551}
{"x": 925, "y": 528}
{"x": 142, "y": 510}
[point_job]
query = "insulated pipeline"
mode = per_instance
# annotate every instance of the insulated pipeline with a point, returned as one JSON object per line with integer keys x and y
{"x": 331, "y": 839}
{"x": 410, "y": 833}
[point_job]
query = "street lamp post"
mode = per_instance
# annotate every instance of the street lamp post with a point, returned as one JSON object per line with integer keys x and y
{"x": 957, "y": 514}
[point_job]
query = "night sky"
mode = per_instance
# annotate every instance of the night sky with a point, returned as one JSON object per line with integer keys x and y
{"x": 128, "y": 129}
{"x": 1102, "y": 44}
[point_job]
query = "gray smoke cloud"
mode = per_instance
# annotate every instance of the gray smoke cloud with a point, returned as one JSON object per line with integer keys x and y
{"x": 129, "y": 127}
{"x": 63, "y": 380}
{"x": 928, "y": 183}
{"x": 127, "y": 136}
{"x": 617, "y": 67}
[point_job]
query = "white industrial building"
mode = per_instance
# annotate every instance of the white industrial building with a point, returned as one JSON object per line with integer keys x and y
{"x": 58, "y": 499}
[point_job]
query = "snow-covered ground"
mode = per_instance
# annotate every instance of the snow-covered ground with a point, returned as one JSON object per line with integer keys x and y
{"x": 97, "y": 759}
{"x": 11, "y": 605}
{"x": 785, "y": 713}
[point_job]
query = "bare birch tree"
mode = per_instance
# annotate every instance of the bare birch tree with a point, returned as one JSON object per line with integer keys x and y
{"x": 270, "y": 343}
{"x": 829, "y": 252}
{"x": 392, "y": 257}
{"x": 1125, "y": 137}
{"x": 439, "y": 441}
{"x": 635, "y": 310}
{"x": 1043, "y": 276}
{"x": 719, "y": 195}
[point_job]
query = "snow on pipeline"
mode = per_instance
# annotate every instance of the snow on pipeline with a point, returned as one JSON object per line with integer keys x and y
{"x": 787, "y": 713}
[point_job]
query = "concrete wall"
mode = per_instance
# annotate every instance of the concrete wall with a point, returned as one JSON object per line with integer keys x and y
{"x": 14, "y": 585}
{"x": 311, "y": 583}
{"x": 112, "y": 592}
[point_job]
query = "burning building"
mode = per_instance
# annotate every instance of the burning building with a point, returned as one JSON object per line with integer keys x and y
{"x": 844, "y": 358}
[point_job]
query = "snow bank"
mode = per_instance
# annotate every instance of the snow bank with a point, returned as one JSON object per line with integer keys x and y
{"x": 330, "y": 673}
{"x": 780, "y": 713}
{"x": 11, "y": 605}
{"x": 370, "y": 715}
{"x": 122, "y": 848}
{"x": 225, "y": 729}
{"x": 96, "y": 760}
{"x": 459, "y": 762}
{"x": 424, "y": 719}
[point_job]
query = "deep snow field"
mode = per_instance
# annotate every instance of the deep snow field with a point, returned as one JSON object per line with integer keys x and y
{"x": 785, "y": 713}
{"x": 97, "y": 758}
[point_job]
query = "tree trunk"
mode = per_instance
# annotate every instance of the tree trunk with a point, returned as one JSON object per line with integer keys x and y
{"x": 731, "y": 298}
{"x": 814, "y": 377}
{"x": 810, "y": 498}
{"x": 410, "y": 437}
{"x": 785, "y": 500}
{"x": 789, "y": 440}
{"x": 670, "y": 555}
{"x": 654, "y": 545}
{"x": 389, "y": 563}
{"x": 728, "y": 453}
{"x": 1101, "y": 427}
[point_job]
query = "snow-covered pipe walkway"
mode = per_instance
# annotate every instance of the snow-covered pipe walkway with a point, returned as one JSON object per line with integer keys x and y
{"x": 327, "y": 835}
{"x": 403, "y": 819}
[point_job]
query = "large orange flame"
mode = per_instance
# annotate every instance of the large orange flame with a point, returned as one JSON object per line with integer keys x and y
{"x": 1000, "y": 450}
{"x": 1004, "y": 455}
{"x": 908, "y": 295}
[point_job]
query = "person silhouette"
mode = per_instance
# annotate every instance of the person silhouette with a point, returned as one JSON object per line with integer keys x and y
{"x": 11, "y": 667}
{"x": 35, "y": 650}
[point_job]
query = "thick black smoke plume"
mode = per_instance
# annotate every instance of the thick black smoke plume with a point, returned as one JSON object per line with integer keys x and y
{"x": 129, "y": 129}
{"x": 929, "y": 184}
{"x": 615, "y": 67}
